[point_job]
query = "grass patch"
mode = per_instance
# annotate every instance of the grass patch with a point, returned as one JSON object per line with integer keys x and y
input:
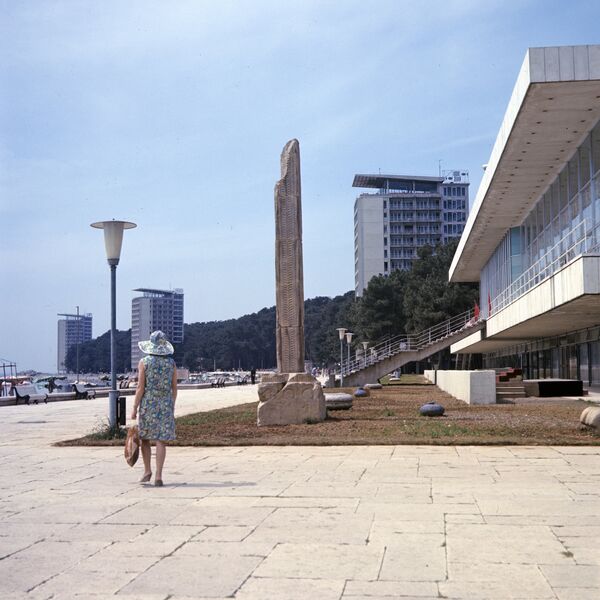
{"x": 104, "y": 431}
{"x": 406, "y": 379}
{"x": 391, "y": 416}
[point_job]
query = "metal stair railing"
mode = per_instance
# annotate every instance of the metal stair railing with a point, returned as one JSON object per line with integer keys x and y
{"x": 406, "y": 342}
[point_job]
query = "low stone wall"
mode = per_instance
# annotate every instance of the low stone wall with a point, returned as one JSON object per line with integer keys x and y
{"x": 472, "y": 387}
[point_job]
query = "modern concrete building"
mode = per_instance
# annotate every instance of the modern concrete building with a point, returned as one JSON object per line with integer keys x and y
{"x": 154, "y": 310}
{"x": 72, "y": 329}
{"x": 404, "y": 214}
{"x": 532, "y": 239}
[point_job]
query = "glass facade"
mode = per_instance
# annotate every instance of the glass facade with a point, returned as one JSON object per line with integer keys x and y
{"x": 564, "y": 223}
{"x": 571, "y": 361}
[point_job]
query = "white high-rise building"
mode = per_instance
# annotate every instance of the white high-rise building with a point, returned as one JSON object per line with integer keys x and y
{"x": 404, "y": 214}
{"x": 154, "y": 310}
{"x": 72, "y": 329}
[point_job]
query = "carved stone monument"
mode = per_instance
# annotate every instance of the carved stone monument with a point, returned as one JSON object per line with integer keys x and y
{"x": 291, "y": 395}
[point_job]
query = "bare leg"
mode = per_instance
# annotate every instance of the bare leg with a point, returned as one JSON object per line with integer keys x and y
{"x": 161, "y": 451}
{"x": 146, "y": 453}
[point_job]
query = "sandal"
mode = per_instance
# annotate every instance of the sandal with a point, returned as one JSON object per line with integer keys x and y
{"x": 158, "y": 482}
{"x": 146, "y": 478}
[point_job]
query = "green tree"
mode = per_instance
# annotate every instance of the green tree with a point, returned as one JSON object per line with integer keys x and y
{"x": 322, "y": 316}
{"x": 190, "y": 360}
{"x": 429, "y": 298}
{"x": 379, "y": 313}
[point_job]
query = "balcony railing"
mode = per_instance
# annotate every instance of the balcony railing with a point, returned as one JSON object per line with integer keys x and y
{"x": 576, "y": 242}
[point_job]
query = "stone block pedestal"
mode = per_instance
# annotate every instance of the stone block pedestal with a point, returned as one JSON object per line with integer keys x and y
{"x": 290, "y": 399}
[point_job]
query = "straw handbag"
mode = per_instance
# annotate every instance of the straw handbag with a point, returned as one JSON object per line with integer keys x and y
{"x": 132, "y": 445}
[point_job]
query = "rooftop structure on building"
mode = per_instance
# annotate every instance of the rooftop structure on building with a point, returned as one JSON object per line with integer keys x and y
{"x": 407, "y": 212}
{"x": 73, "y": 329}
{"x": 532, "y": 240}
{"x": 155, "y": 310}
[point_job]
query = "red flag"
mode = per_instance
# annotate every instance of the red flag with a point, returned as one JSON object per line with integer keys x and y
{"x": 489, "y": 304}
{"x": 476, "y": 311}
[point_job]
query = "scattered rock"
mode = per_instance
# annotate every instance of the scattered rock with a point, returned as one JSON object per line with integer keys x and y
{"x": 432, "y": 409}
{"x": 290, "y": 398}
{"x": 361, "y": 393}
{"x": 591, "y": 416}
{"x": 372, "y": 386}
{"x": 338, "y": 401}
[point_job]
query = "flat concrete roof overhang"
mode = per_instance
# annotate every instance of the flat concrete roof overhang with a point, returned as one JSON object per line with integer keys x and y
{"x": 554, "y": 105}
{"x": 478, "y": 343}
{"x": 362, "y": 180}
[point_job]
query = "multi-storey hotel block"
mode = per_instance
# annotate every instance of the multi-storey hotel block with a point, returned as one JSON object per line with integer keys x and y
{"x": 403, "y": 215}
{"x": 155, "y": 310}
{"x": 532, "y": 239}
{"x": 73, "y": 329}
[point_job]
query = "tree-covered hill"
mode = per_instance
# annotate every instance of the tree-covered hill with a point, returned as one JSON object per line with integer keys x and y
{"x": 94, "y": 356}
{"x": 250, "y": 340}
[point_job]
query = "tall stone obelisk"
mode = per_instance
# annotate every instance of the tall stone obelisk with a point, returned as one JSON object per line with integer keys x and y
{"x": 289, "y": 277}
{"x": 291, "y": 395}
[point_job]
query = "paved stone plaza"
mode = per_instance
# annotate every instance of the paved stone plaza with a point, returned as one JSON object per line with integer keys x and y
{"x": 287, "y": 523}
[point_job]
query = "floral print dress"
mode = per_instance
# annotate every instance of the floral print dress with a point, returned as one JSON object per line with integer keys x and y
{"x": 157, "y": 419}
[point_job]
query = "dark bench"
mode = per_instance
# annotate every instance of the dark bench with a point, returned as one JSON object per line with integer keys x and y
{"x": 28, "y": 392}
{"x": 82, "y": 393}
{"x": 220, "y": 382}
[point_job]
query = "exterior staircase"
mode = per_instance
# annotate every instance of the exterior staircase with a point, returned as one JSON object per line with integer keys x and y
{"x": 506, "y": 390}
{"x": 509, "y": 384}
{"x": 392, "y": 353}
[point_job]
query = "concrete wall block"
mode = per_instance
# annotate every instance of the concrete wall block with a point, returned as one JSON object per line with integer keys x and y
{"x": 594, "y": 62}
{"x": 566, "y": 63}
{"x": 581, "y": 62}
{"x": 537, "y": 72}
{"x": 552, "y": 64}
{"x": 472, "y": 387}
{"x": 591, "y": 275}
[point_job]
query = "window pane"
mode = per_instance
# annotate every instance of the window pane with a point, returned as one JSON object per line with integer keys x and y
{"x": 574, "y": 210}
{"x": 547, "y": 208}
{"x": 573, "y": 176}
{"x": 555, "y": 200}
{"x": 540, "y": 217}
{"x": 584, "y": 162}
{"x": 596, "y": 147}
{"x": 586, "y": 206}
{"x": 562, "y": 184}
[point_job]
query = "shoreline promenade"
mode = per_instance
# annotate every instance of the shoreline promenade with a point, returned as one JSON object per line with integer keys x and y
{"x": 290, "y": 523}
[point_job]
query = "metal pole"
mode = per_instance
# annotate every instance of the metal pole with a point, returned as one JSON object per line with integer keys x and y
{"x": 113, "y": 394}
{"x": 341, "y": 363}
{"x": 78, "y": 344}
{"x": 348, "y": 356}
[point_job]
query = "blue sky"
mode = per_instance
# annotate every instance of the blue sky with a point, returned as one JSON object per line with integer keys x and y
{"x": 174, "y": 114}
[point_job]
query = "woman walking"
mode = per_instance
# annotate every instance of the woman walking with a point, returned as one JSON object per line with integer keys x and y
{"x": 155, "y": 396}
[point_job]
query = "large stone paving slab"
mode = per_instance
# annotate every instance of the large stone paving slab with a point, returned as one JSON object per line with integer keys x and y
{"x": 195, "y": 575}
{"x": 309, "y": 561}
